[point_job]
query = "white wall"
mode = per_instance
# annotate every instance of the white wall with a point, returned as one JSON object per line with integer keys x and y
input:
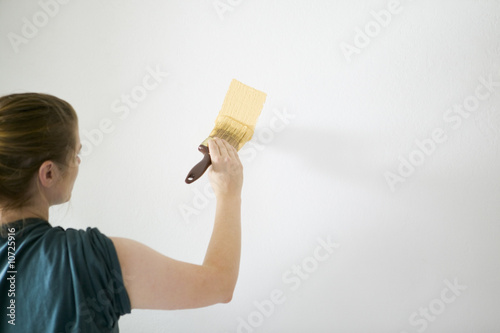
{"x": 320, "y": 173}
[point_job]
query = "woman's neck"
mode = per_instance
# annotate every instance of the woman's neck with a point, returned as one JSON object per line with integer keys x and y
{"x": 16, "y": 215}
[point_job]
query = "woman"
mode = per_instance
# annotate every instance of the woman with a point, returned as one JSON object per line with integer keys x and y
{"x": 57, "y": 280}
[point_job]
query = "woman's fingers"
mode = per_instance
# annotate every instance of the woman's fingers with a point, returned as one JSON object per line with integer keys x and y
{"x": 231, "y": 151}
{"x": 213, "y": 148}
{"x": 222, "y": 147}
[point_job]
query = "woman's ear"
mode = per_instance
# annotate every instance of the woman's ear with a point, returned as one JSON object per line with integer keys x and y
{"x": 49, "y": 174}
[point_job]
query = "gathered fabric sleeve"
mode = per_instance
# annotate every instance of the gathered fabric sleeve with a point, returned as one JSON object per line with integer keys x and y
{"x": 100, "y": 294}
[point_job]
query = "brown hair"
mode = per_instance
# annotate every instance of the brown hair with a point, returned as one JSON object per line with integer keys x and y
{"x": 34, "y": 128}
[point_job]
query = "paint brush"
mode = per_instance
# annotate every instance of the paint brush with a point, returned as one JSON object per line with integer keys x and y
{"x": 235, "y": 123}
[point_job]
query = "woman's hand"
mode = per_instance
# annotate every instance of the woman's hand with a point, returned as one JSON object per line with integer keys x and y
{"x": 226, "y": 172}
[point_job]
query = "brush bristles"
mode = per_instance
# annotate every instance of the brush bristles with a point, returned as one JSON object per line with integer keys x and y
{"x": 237, "y": 118}
{"x": 234, "y": 132}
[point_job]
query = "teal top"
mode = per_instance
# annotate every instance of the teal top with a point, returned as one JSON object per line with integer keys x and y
{"x": 59, "y": 281}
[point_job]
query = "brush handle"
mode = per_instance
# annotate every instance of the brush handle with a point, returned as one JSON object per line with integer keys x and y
{"x": 199, "y": 169}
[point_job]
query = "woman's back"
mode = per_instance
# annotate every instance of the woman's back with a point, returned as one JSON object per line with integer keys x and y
{"x": 59, "y": 280}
